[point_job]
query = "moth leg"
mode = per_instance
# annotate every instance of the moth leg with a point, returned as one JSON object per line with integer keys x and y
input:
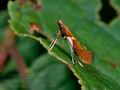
{"x": 71, "y": 48}
{"x": 80, "y": 63}
{"x": 53, "y": 42}
{"x": 76, "y": 59}
{"x": 72, "y": 55}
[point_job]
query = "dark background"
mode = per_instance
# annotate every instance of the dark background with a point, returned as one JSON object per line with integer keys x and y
{"x": 3, "y": 4}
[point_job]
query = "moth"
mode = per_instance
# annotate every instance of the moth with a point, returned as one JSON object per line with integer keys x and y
{"x": 77, "y": 48}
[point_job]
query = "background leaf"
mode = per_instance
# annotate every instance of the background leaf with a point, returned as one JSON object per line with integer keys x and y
{"x": 41, "y": 78}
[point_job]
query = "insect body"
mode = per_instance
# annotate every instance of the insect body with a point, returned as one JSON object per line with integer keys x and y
{"x": 76, "y": 48}
{"x": 85, "y": 55}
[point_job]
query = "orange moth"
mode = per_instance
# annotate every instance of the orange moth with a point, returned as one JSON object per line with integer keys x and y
{"x": 76, "y": 48}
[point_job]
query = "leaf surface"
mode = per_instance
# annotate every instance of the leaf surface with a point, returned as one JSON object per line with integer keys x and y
{"x": 81, "y": 17}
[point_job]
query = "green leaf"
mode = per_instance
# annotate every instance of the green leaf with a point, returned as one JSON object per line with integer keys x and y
{"x": 42, "y": 78}
{"x": 81, "y": 17}
{"x": 12, "y": 83}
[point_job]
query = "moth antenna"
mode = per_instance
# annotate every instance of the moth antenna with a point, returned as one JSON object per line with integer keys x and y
{"x": 54, "y": 42}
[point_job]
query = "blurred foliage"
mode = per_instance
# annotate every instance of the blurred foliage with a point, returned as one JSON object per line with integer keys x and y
{"x": 39, "y": 66}
{"x": 45, "y": 72}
